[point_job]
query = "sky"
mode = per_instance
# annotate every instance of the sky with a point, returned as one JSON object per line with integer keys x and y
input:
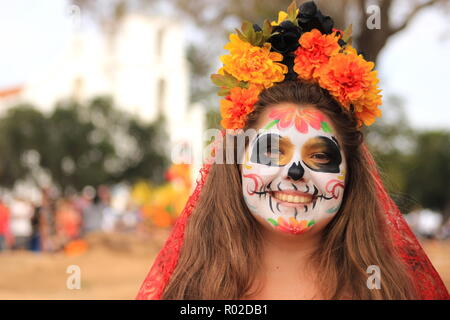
{"x": 414, "y": 64}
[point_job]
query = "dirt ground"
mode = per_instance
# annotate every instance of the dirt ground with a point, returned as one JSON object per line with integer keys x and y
{"x": 113, "y": 268}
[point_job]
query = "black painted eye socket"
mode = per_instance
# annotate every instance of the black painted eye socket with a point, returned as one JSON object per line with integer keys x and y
{"x": 266, "y": 150}
{"x": 321, "y": 154}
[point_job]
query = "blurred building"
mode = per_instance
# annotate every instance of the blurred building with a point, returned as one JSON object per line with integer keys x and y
{"x": 142, "y": 66}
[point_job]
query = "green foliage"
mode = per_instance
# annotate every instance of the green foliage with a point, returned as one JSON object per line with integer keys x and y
{"x": 292, "y": 12}
{"x": 347, "y": 35}
{"x": 213, "y": 119}
{"x": 81, "y": 145}
{"x": 429, "y": 168}
{"x": 415, "y": 164}
{"x": 255, "y": 38}
{"x": 21, "y": 129}
{"x": 226, "y": 82}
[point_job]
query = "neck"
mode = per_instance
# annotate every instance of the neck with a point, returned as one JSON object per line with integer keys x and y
{"x": 288, "y": 252}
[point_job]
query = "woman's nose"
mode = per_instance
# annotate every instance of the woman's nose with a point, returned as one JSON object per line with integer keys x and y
{"x": 296, "y": 171}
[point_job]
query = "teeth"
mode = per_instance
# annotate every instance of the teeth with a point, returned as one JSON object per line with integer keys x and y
{"x": 290, "y": 198}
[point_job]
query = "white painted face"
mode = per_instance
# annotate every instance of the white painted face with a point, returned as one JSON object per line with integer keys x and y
{"x": 293, "y": 173}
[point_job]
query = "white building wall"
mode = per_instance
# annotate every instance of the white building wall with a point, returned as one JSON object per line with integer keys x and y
{"x": 130, "y": 69}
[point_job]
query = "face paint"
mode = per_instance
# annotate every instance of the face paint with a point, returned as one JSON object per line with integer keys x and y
{"x": 294, "y": 170}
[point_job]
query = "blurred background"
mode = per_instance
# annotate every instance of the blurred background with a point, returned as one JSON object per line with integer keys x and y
{"x": 99, "y": 99}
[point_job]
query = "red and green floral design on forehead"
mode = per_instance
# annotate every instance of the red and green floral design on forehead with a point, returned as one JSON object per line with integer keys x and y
{"x": 284, "y": 117}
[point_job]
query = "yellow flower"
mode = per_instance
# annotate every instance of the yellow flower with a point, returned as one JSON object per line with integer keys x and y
{"x": 254, "y": 64}
{"x": 281, "y": 17}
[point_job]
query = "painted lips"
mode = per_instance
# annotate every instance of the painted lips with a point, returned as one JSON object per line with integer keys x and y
{"x": 293, "y": 198}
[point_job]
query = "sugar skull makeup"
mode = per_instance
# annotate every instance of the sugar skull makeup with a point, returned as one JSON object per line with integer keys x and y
{"x": 293, "y": 173}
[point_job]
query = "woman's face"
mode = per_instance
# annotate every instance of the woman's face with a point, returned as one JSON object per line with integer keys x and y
{"x": 293, "y": 171}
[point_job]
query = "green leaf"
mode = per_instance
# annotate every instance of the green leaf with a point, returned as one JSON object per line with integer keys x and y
{"x": 227, "y": 80}
{"x": 271, "y": 124}
{"x": 243, "y": 84}
{"x": 248, "y": 34}
{"x": 292, "y": 12}
{"x": 273, "y": 222}
{"x": 347, "y": 36}
{"x": 267, "y": 29}
{"x": 217, "y": 79}
{"x": 223, "y": 92}
{"x": 325, "y": 127}
{"x": 248, "y": 31}
{"x": 312, "y": 222}
{"x": 241, "y": 35}
{"x": 247, "y": 27}
{"x": 259, "y": 39}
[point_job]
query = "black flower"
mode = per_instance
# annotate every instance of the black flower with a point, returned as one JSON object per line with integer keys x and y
{"x": 288, "y": 60}
{"x": 309, "y": 17}
{"x": 286, "y": 37}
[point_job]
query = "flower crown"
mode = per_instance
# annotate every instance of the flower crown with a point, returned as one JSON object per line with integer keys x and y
{"x": 302, "y": 44}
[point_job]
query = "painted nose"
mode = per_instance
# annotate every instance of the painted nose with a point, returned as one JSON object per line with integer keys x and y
{"x": 296, "y": 171}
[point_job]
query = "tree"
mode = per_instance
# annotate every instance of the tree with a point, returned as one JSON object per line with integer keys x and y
{"x": 79, "y": 145}
{"x": 392, "y": 141}
{"x": 428, "y": 178}
{"x": 22, "y": 129}
{"x": 214, "y": 19}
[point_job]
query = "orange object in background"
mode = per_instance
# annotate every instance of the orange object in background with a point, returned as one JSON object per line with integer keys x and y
{"x": 75, "y": 247}
{"x": 162, "y": 205}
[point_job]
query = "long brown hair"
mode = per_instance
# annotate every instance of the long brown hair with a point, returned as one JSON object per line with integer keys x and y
{"x": 223, "y": 242}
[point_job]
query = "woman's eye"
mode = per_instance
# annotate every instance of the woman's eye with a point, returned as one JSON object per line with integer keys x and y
{"x": 321, "y": 157}
{"x": 272, "y": 153}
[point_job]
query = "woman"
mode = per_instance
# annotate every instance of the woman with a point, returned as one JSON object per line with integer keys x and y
{"x": 302, "y": 213}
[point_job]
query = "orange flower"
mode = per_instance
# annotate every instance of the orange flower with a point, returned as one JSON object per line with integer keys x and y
{"x": 315, "y": 50}
{"x": 367, "y": 116}
{"x": 350, "y": 79}
{"x": 292, "y": 226}
{"x": 366, "y": 108}
{"x": 161, "y": 218}
{"x": 251, "y": 63}
{"x": 237, "y": 105}
{"x": 300, "y": 117}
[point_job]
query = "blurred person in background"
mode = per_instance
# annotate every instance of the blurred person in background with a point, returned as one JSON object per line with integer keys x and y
{"x": 93, "y": 215}
{"x": 35, "y": 241}
{"x": 68, "y": 221}
{"x": 129, "y": 219}
{"x": 46, "y": 227}
{"x": 21, "y": 214}
{"x": 4, "y": 226}
{"x": 110, "y": 215}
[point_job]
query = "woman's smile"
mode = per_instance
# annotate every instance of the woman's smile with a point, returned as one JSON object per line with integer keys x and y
{"x": 293, "y": 198}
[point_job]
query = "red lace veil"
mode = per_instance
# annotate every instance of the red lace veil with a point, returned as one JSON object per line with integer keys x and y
{"x": 427, "y": 280}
